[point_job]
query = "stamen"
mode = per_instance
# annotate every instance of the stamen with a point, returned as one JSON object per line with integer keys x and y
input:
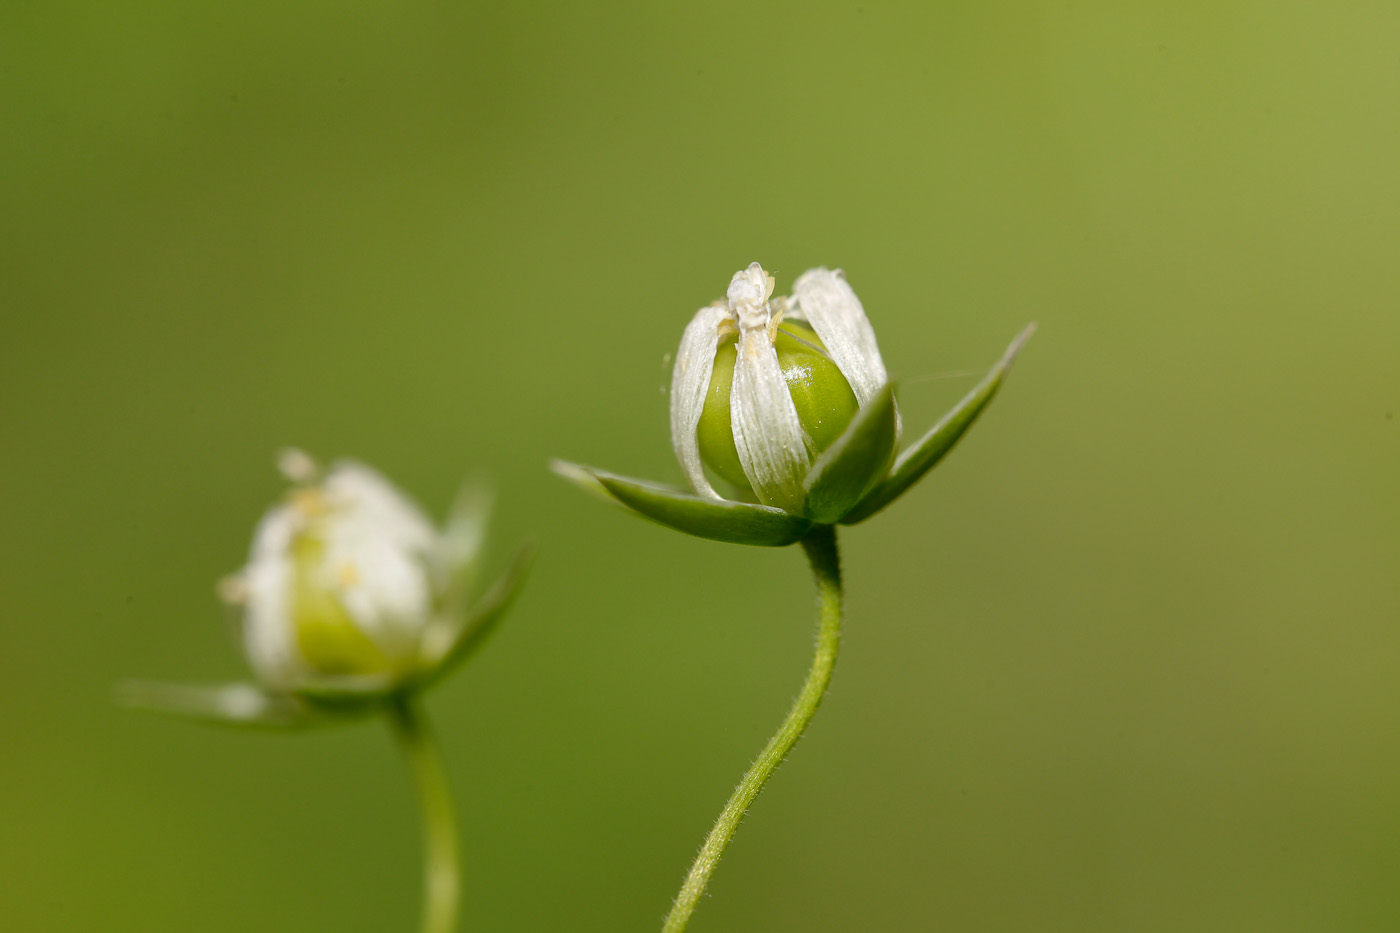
{"x": 298, "y": 466}
{"x": 232, "y": 590}
{"x": 776, "y": 309}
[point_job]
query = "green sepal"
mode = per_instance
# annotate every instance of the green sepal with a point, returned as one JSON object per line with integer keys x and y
{"x": 855, "y": 461}
{"x": 240, "y": 705}
{"x": 716, "y": 519}
{"x": 346, "y": 693}
{"x": 480, "y": 622}
{"x": 922, "y": 455}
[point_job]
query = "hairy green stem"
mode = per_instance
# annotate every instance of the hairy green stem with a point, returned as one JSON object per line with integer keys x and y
{"x": 442, "y": 889}
{"x": 820, "y": 545}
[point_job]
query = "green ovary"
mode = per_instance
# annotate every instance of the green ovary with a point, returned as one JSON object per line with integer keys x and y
{"x": 824, "y": 400}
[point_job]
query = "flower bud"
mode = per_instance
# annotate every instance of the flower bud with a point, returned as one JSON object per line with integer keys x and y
{"x": 341, "y": 582}
{"x": 788, "y": 400}
{"x": 349, "y": 588}
{"x": 350, "y": 597}
{"x": 763, "y": 385}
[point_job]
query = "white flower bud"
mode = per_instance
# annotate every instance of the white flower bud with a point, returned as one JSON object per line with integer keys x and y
{"x": 762, "y": 385}
{"x": 343, "y": 582}
{"x": 351, "y": 598}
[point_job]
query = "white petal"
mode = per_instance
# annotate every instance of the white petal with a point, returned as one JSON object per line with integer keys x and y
{"x": 384, "y": 587}
{"x": 825, "y": 301}
{"x": 379, "y": 547}
{"x": 353, "y": 488}
{"x": 267, "y": 617}
{"x": 768, "y": 435}
{"x": 690, "y": 380}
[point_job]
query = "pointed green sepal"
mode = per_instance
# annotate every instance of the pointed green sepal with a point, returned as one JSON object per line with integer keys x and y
{"x": 855, "y": 461}
{"x": 346, "y": 694}
{"x": 243, "y": 705}
{"x": 922, "y": 455}
{"x": 717, "y": 519}
{"x": 481, "y": 621}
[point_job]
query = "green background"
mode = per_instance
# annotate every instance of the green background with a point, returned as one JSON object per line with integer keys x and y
{"x": 1126, "y": 661}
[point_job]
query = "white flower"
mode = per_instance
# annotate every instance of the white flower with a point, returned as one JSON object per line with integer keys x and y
{"x": 347, "y": 585}
{"x": 351, "y": 598}
{"x": 781, "y": 416}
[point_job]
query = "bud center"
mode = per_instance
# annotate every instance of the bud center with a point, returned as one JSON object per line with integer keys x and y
{"x": 327, "y": 636}
{"x": 824, "y": 400}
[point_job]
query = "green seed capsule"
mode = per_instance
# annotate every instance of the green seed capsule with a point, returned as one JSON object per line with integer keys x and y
{"x": 824, "y": 400}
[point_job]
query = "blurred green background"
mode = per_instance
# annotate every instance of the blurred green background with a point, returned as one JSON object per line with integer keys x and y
{"x": 1127, "y": 661}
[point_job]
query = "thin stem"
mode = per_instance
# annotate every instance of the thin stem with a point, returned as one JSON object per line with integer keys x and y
{"x": 820, "y": 545}
{"x": 442, "y": 888}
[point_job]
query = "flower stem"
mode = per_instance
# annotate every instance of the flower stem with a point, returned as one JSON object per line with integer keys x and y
{"x": 820, "y": 545}
{"x": 442, "y": 865}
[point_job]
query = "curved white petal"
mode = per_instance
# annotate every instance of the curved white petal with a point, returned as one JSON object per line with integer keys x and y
{"x": 690, "y": 380}
{"x": 824, "y": 300}
{"x": 379, "y": 549}
{"x": 384, "y": 587}
{"x": 267, "y": 618}
{"x": 773, "y": 449}
{"x": 355, "y": 489}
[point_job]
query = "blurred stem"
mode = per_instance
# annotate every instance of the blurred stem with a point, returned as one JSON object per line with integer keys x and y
{"x": 442, "y": 888}
{"x": 820, "y": 545}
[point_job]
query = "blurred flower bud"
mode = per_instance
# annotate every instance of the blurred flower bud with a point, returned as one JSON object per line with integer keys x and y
{"x": 342, "y": 583}
{"x": 350, "y": 594}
